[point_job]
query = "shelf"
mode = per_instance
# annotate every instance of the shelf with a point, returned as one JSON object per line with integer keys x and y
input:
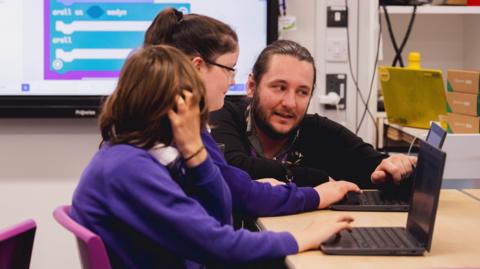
{"x": 434, "y": 9}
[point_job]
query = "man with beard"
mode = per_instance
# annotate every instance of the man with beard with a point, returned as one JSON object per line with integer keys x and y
{"x": 270, "y": 135}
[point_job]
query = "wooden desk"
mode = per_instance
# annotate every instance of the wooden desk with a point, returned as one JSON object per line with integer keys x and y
{"x": 456, "y": 240}
{"x": 473, "y": 192}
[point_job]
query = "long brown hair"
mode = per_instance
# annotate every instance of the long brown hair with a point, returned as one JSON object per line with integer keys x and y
{"x": 151, "y": 78}
{"x": 195, "y": 35}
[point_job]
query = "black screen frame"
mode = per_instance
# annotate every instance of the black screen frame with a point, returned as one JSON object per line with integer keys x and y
{"x": 428, "y": 155}
{"x": 82, "y": 106}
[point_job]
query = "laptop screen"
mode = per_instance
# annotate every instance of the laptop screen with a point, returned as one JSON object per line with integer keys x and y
{"x": 436, "y": 135}
{"x": 408, "y": 93}
{"x": 426, "y": 191}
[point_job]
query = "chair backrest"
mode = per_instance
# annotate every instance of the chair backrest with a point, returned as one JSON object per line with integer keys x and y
{"x": 16, "y": 245}
{"x": 93, "y": 254}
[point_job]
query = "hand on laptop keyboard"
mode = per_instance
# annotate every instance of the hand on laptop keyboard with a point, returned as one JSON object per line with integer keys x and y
{"x": 334, "y": 191}
{"x": 353, "y": 197}
{"x": 320, "y": 230}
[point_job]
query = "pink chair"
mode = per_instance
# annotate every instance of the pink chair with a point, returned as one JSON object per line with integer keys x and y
{"x": 93, "y": 254}
{"x": 16, "y": 245}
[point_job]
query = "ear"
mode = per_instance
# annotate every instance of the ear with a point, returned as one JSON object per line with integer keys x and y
{"x": 198, "y": 63}
{"x": 251, "y": 85}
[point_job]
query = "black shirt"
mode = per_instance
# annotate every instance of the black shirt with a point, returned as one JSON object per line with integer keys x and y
{"x": 323, "y": 148}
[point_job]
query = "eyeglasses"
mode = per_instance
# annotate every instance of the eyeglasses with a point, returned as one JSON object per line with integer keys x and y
{"x": 231, "y": 69}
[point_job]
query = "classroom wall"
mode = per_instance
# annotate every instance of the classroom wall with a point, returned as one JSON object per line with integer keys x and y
{"x": 304, "y": 11}
{"x": 42, "y": 159}
{"x": 40, "y": 163}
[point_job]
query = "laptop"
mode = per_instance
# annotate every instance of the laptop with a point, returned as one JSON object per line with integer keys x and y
{"x": 436, "y": 135}
{"x": 412, "y": 97}
{"x": 396, "y": 198}
{"x": 417, "y": 236}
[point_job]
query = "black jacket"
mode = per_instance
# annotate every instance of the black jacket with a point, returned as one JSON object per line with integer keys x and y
{"x": 328, "y": 149}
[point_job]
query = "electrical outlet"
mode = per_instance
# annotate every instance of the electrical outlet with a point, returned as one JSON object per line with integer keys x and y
{"x": 337, "y": 83}
{"x": 337, "y": 16}
{"x": 336, "y": 50}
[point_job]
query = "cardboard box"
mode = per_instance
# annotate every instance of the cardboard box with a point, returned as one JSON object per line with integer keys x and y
{"x": 458, "y": 123}
{"x": 463, "y": 103}
{"x": 463, "y": 81}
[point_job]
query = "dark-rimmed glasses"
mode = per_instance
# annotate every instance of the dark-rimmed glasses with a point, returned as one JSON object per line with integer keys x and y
{"x": 231, "y": 69}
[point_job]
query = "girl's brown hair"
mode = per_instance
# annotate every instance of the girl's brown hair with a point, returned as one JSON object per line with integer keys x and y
{"x": 150, "y": 80}
{"x": 195, "y": 35}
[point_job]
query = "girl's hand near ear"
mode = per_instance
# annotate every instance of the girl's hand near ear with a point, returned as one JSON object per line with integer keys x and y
{"x": 185, "y": 123}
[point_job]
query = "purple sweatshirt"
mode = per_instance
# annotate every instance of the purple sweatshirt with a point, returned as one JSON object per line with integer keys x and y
{"x": 151, "y": 218}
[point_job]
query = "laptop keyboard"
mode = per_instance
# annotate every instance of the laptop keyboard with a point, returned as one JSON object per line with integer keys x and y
{"x": 376, "y": 198}
{"x": 380, "y": 238}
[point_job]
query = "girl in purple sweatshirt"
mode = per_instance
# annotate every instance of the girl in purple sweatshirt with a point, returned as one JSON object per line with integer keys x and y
{"x": 158, "y": 191}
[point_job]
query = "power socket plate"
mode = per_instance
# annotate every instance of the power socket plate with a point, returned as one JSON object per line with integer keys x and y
{"x": 337, "y": 83}
{"x": 337, "y": 16}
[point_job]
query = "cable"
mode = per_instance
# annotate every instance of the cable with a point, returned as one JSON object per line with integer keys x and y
{"x": 392, "y": 36}
{"x": 397, "y": 57}
{"x": 411, "y": 145}
{"x": 373, "y": 77}
{"x": 407, "y": 34}
{"x": 357, "y": 88}
{"x": 398, "y": 50}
